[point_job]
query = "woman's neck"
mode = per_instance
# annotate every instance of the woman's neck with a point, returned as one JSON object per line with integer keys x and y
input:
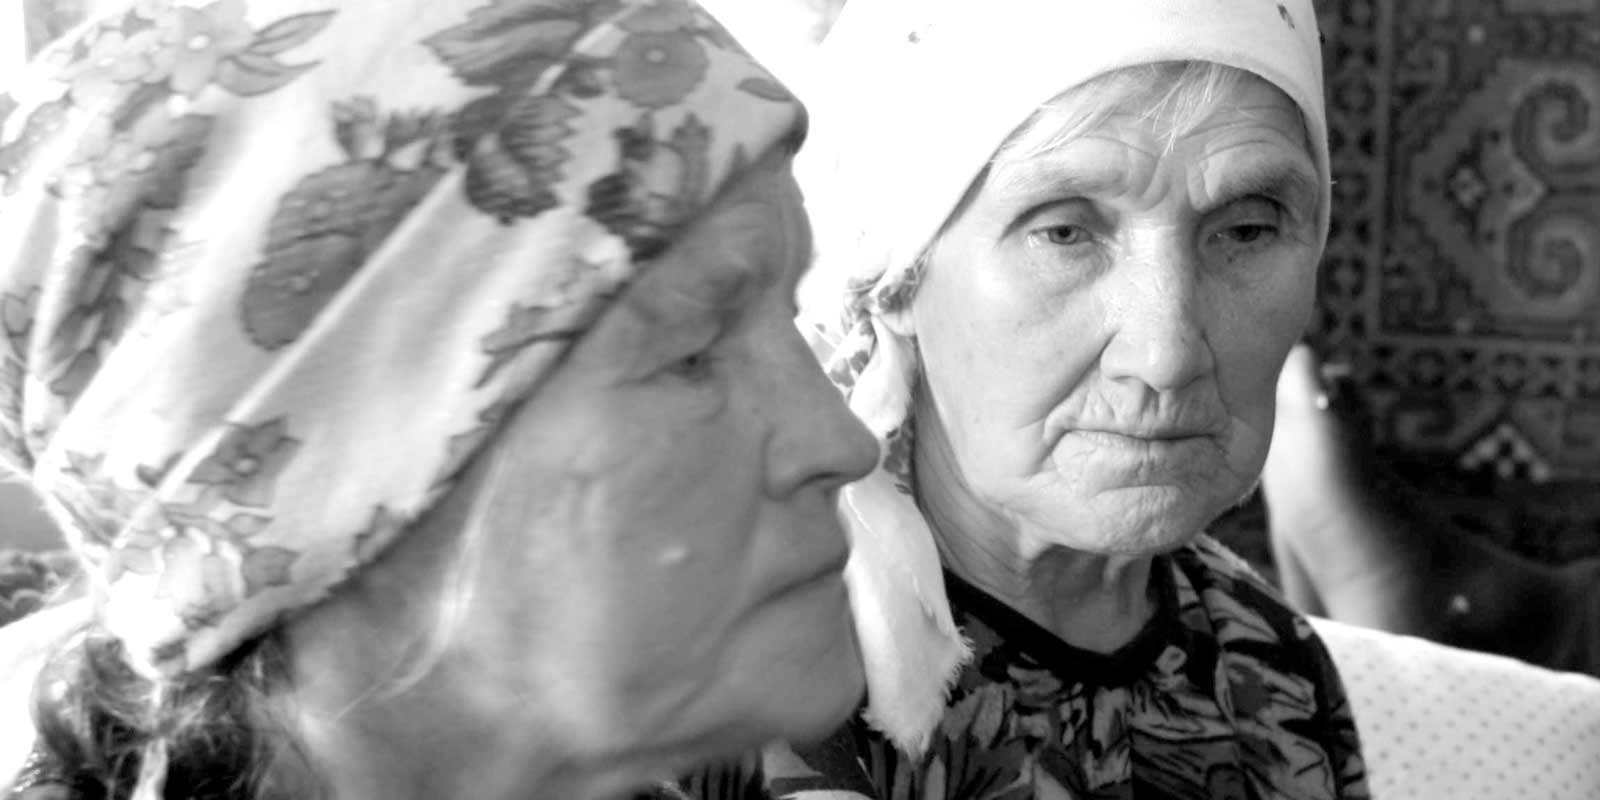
{"x": 371, "y": 753}
{"x": 1092, "y": 601}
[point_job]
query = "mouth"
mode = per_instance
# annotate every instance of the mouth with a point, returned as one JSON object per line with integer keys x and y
{"x": 822, "y": 571}
{"x": 1150, "y": 438}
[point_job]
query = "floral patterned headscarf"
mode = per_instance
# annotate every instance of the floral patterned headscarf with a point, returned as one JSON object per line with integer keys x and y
{"x": 273, "y": 271}
{"x": 915, "y": 98}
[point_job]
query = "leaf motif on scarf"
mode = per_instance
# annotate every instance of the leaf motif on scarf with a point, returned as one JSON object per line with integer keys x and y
{"x": 463, "y": 446}
{"x": 513, "y": 167}
{"x": 767, "y": 90}
{"x": 266, "y": 567}
{"x": 325, "y": 228}
{"x": 384, "y": 526}
{"x": 246, "y": 462}
{"x": 137, "y": 181}
{"x": 16, "y": 321}
{"x": 527, "y": 325}
{"x": 509, "y": 43}
{"x": 511, "y": 141}
{"x": 652, "y": 194}
{"x": 289, "y": 32}
{"x": 250, "y": 74}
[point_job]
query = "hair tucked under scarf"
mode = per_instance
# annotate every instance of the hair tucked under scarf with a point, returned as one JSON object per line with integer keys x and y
{"x": 271, "y": 272}
{"x": 916, "y": 98}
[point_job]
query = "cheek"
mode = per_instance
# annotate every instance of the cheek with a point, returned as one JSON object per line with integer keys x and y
{"x": 671, "y": 525}
{"x": 999, "y": 353}
{"x": 612, "y": 576}
{"x": 1257, "y": 330}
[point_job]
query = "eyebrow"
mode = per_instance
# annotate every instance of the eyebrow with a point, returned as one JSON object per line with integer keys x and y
{"x": 1282, "y": 180}
{"x": 1057, "y": 179}
{"x": 1031, "y": 190}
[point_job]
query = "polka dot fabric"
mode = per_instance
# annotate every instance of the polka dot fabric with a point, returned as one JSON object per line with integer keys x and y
{"x": 1437, "y": 722}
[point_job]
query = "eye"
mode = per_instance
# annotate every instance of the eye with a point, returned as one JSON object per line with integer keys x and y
{"x": 1248, "y": 233}
{"x": 1251, "y": 222}
{"x": 1065, "y": 235}
{"x": 695, "y": 367}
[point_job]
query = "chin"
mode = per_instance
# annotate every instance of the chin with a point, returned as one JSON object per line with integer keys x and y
{"x": 798, "y": 688}
{"x": 822, "y": 699}
{"x": 1136, "y": 522}
{"x": 802, "y": 676}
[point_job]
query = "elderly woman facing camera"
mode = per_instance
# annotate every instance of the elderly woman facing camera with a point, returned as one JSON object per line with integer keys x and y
{"x": 1081, "y": 238}
{"x": 418, "y": 384}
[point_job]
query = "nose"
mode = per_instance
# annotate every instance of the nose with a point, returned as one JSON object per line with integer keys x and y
{"x": 815, "y": 438}
{"x": 1157, "y": 319}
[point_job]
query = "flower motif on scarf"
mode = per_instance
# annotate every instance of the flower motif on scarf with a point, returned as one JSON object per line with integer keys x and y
{"x": 40, "y": 125}
{"x": 196, "y": 40}
{"x": 154, "y": 51}
{"x": 184, "y": 535}
{"x": 326, "y": 227}
{"x": 110, "y": 63}
{"x": 97, "y": 506}
{"x": 198, "y": 580}
{"x": 182, "y": 50}
{"x": 246, "y": 463}
{"x": 661, "y": 61}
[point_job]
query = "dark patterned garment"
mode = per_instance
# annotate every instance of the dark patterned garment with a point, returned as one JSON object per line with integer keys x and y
{"x": 1226, "y": 693}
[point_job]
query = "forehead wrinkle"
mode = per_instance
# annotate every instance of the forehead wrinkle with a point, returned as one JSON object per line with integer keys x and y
{"x": 1077, "y": 169}
{"x": 1281, "y": 116}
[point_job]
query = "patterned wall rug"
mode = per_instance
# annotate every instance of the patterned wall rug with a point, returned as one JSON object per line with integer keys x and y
{"x": 1462, "y": 280}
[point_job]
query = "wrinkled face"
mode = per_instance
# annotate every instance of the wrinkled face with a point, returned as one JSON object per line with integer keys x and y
{"x": 667, "y": 566}
{"x": 1101, "y": 329}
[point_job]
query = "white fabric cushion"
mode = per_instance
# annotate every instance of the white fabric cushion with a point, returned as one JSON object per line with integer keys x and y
{"x": 1438, "y": 722}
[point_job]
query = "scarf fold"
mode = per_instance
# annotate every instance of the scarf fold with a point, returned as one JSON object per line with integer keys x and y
{"x": 273, "y": 271}
{"x": 913, "y": 99}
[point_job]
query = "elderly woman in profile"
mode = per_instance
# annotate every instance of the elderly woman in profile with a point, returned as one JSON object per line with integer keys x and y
{"x": 417, "y": 384}
{"x": 1080, "y": 238}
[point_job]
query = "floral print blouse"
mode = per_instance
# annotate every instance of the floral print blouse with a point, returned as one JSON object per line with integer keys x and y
{"x": 1226, "y": 694}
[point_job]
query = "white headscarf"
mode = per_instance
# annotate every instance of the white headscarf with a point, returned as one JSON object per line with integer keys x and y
{"x": 915, "y": 97}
